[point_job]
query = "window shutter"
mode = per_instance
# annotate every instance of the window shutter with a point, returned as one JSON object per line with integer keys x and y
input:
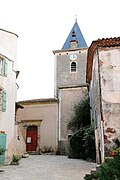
{"x": 5, "y": 69}
{"x": 1, "y": 66}
{"x": 4, "y": 101}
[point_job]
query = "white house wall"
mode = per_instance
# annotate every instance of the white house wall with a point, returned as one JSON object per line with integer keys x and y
{"x": 8, "y": 43}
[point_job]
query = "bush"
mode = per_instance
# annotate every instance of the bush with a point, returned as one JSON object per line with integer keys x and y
{"x": 2, "y": 150}
{"x": 76, "y": 149}
{"x": 82, "y": 144}
{"x": 89, "y": 143}
{"x": 16, "y": 158}
{"x": 110, "y": 170}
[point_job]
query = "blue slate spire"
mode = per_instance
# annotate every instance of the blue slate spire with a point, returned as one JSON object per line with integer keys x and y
{"x": 75, "y": 35}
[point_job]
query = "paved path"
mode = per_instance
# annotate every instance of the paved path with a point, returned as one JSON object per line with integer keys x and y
{"x": 47, "y": 167}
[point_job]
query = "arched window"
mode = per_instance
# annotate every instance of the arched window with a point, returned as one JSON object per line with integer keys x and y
{"x": 73, "y": 66}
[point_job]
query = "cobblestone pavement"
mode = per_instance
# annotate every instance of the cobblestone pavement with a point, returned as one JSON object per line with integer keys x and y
{"x": 47, "y": 167}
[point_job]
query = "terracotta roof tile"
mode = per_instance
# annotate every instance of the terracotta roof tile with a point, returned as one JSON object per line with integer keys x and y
{"x": 108, "y": 42}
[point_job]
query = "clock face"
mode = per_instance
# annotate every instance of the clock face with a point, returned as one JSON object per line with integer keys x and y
{"x": 73, "y": 57}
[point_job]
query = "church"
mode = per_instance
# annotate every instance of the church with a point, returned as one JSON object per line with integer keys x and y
{"x": 41, "y": 125}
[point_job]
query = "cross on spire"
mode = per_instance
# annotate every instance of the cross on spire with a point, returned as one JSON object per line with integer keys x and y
{"x": 75, "y": 18}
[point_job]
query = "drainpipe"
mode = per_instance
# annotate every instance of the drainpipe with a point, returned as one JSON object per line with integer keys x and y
{"x": 102, "y": 154}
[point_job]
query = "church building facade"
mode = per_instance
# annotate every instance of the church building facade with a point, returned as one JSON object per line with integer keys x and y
{"x": 69, "y": 89}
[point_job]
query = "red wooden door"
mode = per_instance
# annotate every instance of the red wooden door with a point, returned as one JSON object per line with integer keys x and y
{"x": 31, "y": 138}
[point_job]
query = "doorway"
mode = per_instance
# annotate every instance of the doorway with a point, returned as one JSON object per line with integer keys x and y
{"x": 31, "y": 138}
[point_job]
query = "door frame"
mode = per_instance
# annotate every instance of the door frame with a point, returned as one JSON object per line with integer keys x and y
{"x": 32, "y": 138}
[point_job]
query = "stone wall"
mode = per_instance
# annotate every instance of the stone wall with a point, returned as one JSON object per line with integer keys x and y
{"x": 110, "y": 84}
{"x": 63, "y": 75}
{"x": 105, "y": 98}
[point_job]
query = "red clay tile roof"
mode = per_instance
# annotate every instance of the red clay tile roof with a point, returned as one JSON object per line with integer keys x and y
{"x": 108, "y": 42}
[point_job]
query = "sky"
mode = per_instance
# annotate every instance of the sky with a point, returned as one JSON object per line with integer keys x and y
{"x": 43, "y": 26}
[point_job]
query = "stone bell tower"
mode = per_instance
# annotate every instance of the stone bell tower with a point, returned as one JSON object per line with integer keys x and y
{"x": 70, "y": 81}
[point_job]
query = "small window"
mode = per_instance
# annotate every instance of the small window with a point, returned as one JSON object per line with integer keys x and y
{"x": 5, "y": 69}
{"x": 4, "y": 100}
{"x": 69, "y": 136}
{"x": 73, "y": 67}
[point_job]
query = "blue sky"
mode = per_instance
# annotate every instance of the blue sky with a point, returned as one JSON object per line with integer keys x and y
{"x": 43, "y": 26}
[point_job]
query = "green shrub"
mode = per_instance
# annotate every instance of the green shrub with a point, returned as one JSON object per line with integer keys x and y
{"x": 110, "y": 170}
{"x": 16, "y": 158}
{"x": 93, "y": 176}
{"x": 89, "y": 143}
{"x": 82, "y": 144}
{"x": 2, "y": 150}
{"x": 76, "y": 145}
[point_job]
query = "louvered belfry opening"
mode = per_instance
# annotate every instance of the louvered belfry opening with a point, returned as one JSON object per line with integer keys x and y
{"x": 73, "y": 67}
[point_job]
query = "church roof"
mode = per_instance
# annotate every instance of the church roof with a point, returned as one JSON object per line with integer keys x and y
{"x": 75, "y": 34}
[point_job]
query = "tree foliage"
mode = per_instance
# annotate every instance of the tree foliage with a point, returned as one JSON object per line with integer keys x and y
{"x": 81, "y": 117}
{"x": 82, "y": 144}
{"x": 89, "y": 142}
{"x": 76, "y": 149}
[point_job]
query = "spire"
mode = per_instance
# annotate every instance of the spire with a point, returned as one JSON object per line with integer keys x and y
{"x": 75, "y": 35}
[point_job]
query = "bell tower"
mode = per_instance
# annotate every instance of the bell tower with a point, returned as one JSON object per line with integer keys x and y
{"x": 70, "y": 80}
